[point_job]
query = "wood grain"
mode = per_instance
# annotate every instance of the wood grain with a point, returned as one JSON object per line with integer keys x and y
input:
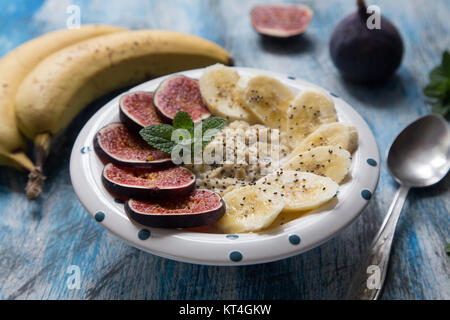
{"x": 40, "y": 240}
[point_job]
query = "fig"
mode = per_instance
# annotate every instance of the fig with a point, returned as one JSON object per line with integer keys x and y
{"x": 143, "y": 183}
{"x": 137, "y": 111}
{"x": 362, "y": 54}
{"x": 116, "y": 144}
{"x": 180, "y": 93}
{"x": 281, "y": 21}
{"x": 199, "y": 208}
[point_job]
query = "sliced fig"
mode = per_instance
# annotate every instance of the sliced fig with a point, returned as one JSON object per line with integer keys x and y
{"x": 180, "y": 93}
{"x": 137, "y": 110}
{"x": 201, "y": 207}
{"x": 142, "y": 183}
{"x": 115, "y": 143}
{"x": 281, "y": 21}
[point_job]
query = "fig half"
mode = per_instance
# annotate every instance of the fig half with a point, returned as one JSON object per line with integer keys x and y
{"x": 199, "y": 208}
{"x": 137, "y": 111}
{"x": 180, "y": 93}
{"x": 281, "y": 21}
{"x": 116, "y": 144}
{"x": 148, "y": 183}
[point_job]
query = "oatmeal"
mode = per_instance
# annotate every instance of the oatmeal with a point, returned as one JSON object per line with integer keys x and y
{"x": 239, "y": 155}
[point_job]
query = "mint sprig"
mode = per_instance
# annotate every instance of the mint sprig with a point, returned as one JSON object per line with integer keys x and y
{"x": 439, "y": 87}
{"x": 160, "y": 136}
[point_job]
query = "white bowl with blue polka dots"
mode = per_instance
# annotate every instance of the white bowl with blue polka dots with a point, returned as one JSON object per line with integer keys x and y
{"x": 289, "y": 239}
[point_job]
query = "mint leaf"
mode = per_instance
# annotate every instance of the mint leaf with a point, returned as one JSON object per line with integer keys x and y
{"x": 443, "y": 109}
{"x": 183, "y": 120}
{"x": 210, "y": 128}
{"x": 159, "y": 136}
{"x": 446, "y": 63}
{"x": 436, "y": 90}
{"x": 439, "y": 87}
{"x": 213, "y": 123}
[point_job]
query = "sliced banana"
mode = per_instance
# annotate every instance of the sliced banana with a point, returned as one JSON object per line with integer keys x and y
{"x": 300, "y": 190}
{"x": 250, "y": 209}
{"x": 268, "y": 100}
{"x": 220, "y": 90}
{"x": 341, "y": 135}
{"x": 327, "y": 161}
{"x": 310, "y": 109}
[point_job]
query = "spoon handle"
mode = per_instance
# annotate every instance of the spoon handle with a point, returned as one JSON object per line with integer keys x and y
{"x": 368, "y": 281}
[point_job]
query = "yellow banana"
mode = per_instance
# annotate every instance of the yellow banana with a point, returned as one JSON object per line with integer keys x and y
{"x": 65, "y": 82}
{"x": 13, "y": 69}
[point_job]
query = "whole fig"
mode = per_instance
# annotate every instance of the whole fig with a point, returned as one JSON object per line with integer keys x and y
{"x": 363, "y": 54}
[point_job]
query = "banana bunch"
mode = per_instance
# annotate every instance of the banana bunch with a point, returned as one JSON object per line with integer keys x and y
{"x": 14, "y": 67}
{"x": 45, "y": 83}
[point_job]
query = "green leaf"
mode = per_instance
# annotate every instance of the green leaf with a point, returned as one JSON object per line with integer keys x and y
{"x": 442, "y": 108}
{"x": 446, "y": 63}
{"x": 439, "y": 87}
{"x": 159, "y": 136}
{"x": 447, "y": 248}
{"x": 437, "y": 75}
{"x": 436, "y": 90}
{"x": 183, "y": 120}
{"x": 210, "y": 128}
{"x": 213, "y": 123}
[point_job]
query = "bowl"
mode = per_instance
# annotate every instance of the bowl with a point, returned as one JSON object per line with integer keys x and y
{"x": 286, "y": 240}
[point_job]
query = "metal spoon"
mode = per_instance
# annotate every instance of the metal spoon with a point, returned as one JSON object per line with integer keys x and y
{"x": 419, "y": 157}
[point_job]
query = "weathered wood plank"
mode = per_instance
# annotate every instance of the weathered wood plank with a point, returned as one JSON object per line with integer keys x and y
{"x": 39, "y": 241}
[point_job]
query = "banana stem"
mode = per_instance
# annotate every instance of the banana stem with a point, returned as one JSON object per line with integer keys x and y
{"x": 36, "y": 178}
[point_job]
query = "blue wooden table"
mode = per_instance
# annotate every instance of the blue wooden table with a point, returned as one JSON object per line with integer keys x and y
{"x": 42, "y": 242}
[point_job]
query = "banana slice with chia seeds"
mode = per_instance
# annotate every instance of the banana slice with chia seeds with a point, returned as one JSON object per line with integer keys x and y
{"x": 327, "y": 161}
{"x": 250, "y": 209}
{"x": 309, "y": 110}
{"x": 341, "y": 135}
{"x": 268, "y": 100}
{"x": 300, "y": 190}
{"x": 222, "y": 94}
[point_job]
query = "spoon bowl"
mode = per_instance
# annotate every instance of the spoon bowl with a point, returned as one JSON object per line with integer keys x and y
{"x": 419, "y": 156}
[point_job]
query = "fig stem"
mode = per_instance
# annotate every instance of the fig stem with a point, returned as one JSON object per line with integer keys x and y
{"x": 362, "y": 8}
{"x": 36, "y": 178}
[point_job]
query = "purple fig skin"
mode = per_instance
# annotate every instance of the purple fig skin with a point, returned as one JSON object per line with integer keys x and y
{"x": 363, "y": 55}
{"x": 107, "y": 158}
{"x": 131, "y": 123}
{"x": 190, "y": 220}
{"x": 160, "y": 109}
{"x": 129, "y": 191}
